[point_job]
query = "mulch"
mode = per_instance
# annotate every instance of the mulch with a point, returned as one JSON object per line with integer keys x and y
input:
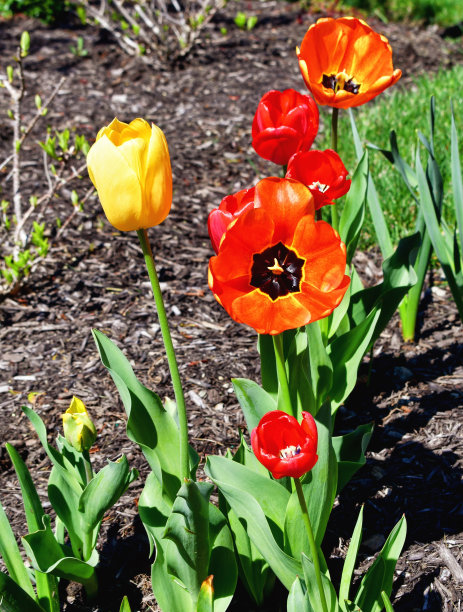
{"x": 94, "y": 277}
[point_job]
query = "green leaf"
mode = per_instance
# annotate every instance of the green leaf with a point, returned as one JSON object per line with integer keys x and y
{"x": 259, "y": 504}
{"x": 46, "y": 586}
{"x": 9, "y": 552}
{"x": 125, "y": 606}
{"x": 377, "y": 215}
{"x": 298, "y": 600}
{"x": 346, "y": 353}
{"x": 188, "y": 528}
{"x": 320, "y": 366}
{"x": 154, "y": 508}
{"x": 14, "y": 599}
{"x": 268, "y": 370}
{"x": 312, "y": 588}
{"x": 222, "y": 556}
{"x": 457, "y": 181}
{"x": 350, "y": 452}
{"x": 65, "y": 502}
{"x": 297, "y": 368}
{"x": 349, "y": 562}
{"x": 48, "y": 556}
{"x": 387, "y": 602}
{"x": 381, "y": 574}
{"x": 254, "y": 401}
{"x": 170, "y": 594}
{"x": 353, "y": 212}
{"x": 149, "y": 424}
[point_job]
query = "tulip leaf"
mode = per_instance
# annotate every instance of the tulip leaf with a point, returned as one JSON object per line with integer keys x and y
{"x": 346, "y": 353}
{"x": 268, "y": 369}
{"x": 254, "y": 401}
{"x": 15, "y": 599}
{"x": 9, "y": 552}
{"x": 149, "y": 424}
{"x": 350, "y": 452}
{"x": 65, "y": 503}
{"x": 320, "y": 366}
{"x": 298, "y": 599}
{"x": 48, "y": 556}
{"x": 380, "y": 575}
{"x": 349, "y": 561}
{"x": 125, "y": 606}
{"x": 222, "y": 556}
{"x": 387, "y": 602}
{"x": 312, "y": 588}
{"x": 319, "y": 487}
{"x": 46, "y": 586}
{"x": 297, "y": 365}
{"x": 457, "y": 181}
{"x": 154, "y": 508}
{"x": 353, "y": 212}
{"x": 259, "y": 503}
{"x": 188, "y": 528}
{"x": 170, "y": 594}
{"x": 377, "y": 215}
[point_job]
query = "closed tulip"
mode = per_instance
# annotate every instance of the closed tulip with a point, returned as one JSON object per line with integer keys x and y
{"x": 129, "y": 165}
{"x": 79, "y": 430}
{"x": 285, "y": 122}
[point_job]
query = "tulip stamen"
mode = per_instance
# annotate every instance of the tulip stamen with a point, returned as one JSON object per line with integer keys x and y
{"x": 276, "y": 268}
{"x": 340, "y": 81}
{"x": 290, "y": 451}
{"x": 320, "y": 186}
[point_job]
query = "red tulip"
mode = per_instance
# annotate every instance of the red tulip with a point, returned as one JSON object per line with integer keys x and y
{"x": 285, "y": 122}
{"x": 278, "y": 268}
{"x": 283, "y": 446}
{"x": 230, "y": 207}
{"x": 323, "y": 172}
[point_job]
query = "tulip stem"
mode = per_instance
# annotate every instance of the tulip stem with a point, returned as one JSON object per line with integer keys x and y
{"x": 87, "y": 465}
{"x": 312, "y": 544}
{"x": 171, "y": 358}
{"x": 334, "y": 146}
{"x": 281, "y": 373}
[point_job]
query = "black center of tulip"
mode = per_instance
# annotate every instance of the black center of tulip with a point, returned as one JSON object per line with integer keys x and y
{"x": 277, "y": 271}
{"x": 337, "y": 82}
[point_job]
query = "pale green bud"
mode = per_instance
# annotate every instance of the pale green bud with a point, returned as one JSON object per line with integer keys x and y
{"x": 79, "y": 430}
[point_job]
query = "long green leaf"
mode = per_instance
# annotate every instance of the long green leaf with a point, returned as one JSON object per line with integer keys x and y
{"x": 298, "y": 600}
{"x": 46, "y": 586}
{"x": 350, "y": 452}
{"x": 254, "y": 401}
{"x": 353, "y": 212}
{"x": 15, "y": 599}
{"x": 9, "y": 551}
{"x": 457, "y": 182}
{"x": 349, "y": 562}
{"x": 125, "y": 606}
{"x": 312, "y": 588}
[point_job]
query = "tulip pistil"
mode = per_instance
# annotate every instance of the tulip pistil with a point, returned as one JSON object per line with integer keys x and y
{"x": 340, "y": 81}
{"x": 277, "y": 271}
{"x": 290, "y": 451}
{"x": 320, "y": 186}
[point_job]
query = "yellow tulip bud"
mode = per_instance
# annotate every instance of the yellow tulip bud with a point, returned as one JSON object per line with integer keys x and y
{"x": 79, "y": 430}
{"x": 129, "y": 165}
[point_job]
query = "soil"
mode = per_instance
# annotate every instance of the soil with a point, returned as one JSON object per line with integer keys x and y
{"x": 94, "y": 277}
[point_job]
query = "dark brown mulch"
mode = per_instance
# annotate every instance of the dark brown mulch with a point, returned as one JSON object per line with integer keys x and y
{"x": 94, "y": 277}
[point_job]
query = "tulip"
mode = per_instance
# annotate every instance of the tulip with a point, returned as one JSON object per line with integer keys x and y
{"x": 345, "y": 63}
{"x": 79, "y": 430}
{"x": 230, "y": 208}
{"x": 278, "y": 268}
{"x": 129, "y": 165}
{"x": 283, "y": 446}
{"x": 285, "y": 122}
{"x": 323, "y": 172}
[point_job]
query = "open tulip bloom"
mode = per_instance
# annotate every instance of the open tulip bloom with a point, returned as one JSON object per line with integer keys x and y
{"x": 277, "y": 268}
{"x": 345, "y": 63}
{"x": 285, "y": 122}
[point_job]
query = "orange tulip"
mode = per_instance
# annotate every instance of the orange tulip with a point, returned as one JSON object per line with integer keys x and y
{"x": 277, "y": 268}
{"x": 345, "y": 63}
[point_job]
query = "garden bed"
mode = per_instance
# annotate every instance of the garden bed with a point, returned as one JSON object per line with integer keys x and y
{"x": 94, "y": 277}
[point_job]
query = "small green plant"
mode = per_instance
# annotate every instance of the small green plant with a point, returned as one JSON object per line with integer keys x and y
{"x": 79, "y": 50}
{"x": 244, "y": 22}
{"x": 45, "y": 10}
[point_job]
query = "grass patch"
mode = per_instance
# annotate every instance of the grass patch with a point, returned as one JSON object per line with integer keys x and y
{"x": 442, "y": 12}
{"x": 406, "y": 112}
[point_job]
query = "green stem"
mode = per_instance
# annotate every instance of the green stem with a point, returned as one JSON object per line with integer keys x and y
{"x": 313, "y": 546}
{"x": 91, "y": 586}
{"x": 171, "y": 359}
{"x": 281, "y": 372}
{"x": 334, "y": 146}
{"x": 87, "y": 465}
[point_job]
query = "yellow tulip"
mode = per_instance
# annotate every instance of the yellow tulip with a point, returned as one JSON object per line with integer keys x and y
{"x": 129, "y": 165}
{"x": 79, "y": 430}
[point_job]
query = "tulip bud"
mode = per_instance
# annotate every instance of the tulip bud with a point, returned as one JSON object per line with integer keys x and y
{"x": 129, "y": 165}
{"x": 25, "y": 43}
{"x": 79, "y": 430}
